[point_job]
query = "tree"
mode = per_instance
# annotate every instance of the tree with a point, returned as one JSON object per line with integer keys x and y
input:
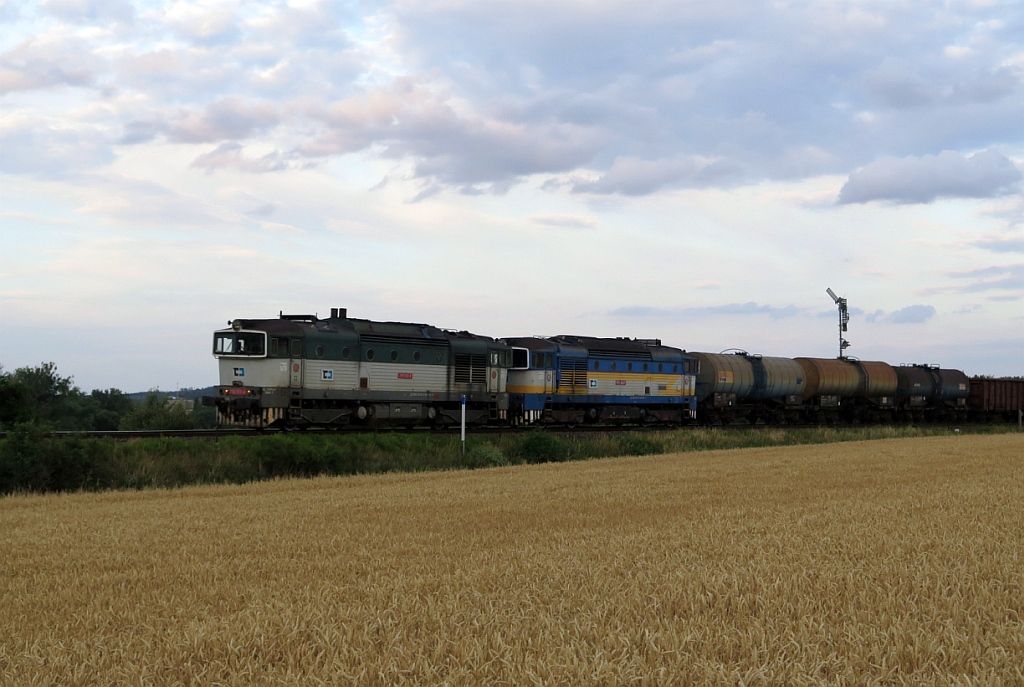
{"x": 156, "y": 413}
{"x": 40, "y": 395}
{"x": 109, "y": 408}
{"x": 13, "y": 397}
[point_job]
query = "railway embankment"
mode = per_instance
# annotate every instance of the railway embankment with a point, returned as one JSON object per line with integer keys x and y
{"x": 32, "y": 461}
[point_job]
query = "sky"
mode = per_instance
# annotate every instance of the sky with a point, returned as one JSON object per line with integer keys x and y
{"x": 691, "y": 171}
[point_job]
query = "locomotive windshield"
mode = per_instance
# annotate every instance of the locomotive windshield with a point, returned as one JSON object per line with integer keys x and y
{"x": 239, "y": 343}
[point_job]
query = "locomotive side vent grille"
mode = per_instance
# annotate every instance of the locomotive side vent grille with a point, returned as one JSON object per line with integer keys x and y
{"x": 573, "y": 374}
{"x": 470, "y": 368}
{"x": 402, "y": 340}
{"x": 635, "y": 355}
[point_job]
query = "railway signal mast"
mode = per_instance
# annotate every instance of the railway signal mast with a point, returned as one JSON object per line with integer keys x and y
{"x": 844, "y": 318}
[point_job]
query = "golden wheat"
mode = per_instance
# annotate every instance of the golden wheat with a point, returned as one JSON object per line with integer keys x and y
{"x": 880, "y": 562}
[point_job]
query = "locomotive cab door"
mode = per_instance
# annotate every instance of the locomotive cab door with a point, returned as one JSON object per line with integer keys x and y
{"x": 295, "y": 363}
{"x": 492, "y": 373}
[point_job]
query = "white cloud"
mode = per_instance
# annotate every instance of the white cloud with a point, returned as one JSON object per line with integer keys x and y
{"x": 747, "y": 309}
{"x": 635, "y": 177}
{"x": 90, "y": 10}
{"x": 228, "y": 118}
{"x": 564, "y": 221}
{"x": 411, "y": 121}
{"x": 231, "y": 155}
{"x": 912, "y": 314}
{"x": 47, "y": 148}
{"x": 995, "y": 278}
{"x": 48, "y": 60}
{"x": 923, "y": 179}
{"x": 202, "y": 22}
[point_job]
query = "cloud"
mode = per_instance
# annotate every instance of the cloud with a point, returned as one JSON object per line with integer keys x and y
{"x": 170, "y": 75}
{"x": 140, "y": 203}
{"x": 743, "y": 309}
{"x": 202, "y": 22}
{"x": 230, "y": 155}
{"x": 46, "y": 61}
{"x": 608, "y": 99}
{"x": 1001, "y": 245}
{"x": 995, "y": 278}
{"x": 658, "y": 88}
{"x": 45, "y": 148}
{"x": 637, "y": 177}
{"x": 229, "y": 118}
{"x": 912, "y": 314}
{"x": 564, "y": 221}
{"x": 314, "y": 25}
{"x": 923, "y": 179}
{"x": 90, "y": 10}
{"x": 447, "y": 146}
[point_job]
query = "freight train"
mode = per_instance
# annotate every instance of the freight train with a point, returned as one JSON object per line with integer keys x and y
{"x": 298, "y": 371}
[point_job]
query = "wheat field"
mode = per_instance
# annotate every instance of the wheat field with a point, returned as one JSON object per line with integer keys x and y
{"x": 877, "y": 562}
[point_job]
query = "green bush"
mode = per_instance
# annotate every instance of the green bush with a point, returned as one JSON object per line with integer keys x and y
{"x": 639, "y": 445}
{"x": 484, "y": 455}
{"x": 31, "y": 461}
{"x": 538, "y": 447}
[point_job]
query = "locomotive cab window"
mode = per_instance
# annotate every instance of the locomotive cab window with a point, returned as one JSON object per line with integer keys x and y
{"x": 239, "y": 343}
{"x": 520, "y": 359}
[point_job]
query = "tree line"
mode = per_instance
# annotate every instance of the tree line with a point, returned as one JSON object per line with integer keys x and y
{"x": 42, "y": 397}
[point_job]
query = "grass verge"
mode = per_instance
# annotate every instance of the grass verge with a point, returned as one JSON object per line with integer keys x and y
{"x": 32, "y": 462}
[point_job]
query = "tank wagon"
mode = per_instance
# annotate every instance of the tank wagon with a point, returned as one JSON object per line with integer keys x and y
{"x": 752, "y": 387}
{"x": 930, "y": 392}
{"x": 876, "y": 392}
{"x": 300, "y": 370}
{"x": 848, "y": 389}
{"x": 576, "y": 379}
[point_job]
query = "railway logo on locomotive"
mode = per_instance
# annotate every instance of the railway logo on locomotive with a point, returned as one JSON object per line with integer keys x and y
{"x": 239, "y": 371}
{"x": 327, "y": 375}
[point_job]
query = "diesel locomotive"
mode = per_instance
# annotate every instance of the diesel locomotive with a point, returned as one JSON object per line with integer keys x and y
{"x": 300, "y": 370}
{"x": 305, "y": 371}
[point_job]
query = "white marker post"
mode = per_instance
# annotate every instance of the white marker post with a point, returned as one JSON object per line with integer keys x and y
{"x": 462, "y": 400}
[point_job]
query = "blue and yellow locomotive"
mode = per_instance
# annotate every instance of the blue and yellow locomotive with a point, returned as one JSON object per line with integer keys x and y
{"x": 576, "y": 379}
